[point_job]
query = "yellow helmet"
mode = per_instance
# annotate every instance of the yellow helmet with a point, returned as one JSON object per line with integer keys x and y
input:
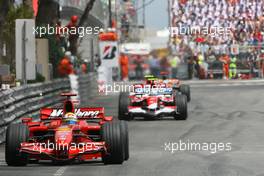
{"x": 70, "y": 118}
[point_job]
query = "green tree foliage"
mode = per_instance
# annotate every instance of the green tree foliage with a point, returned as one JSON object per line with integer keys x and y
{"x": 8, "y": 32}
{"x": 55, "y": 53}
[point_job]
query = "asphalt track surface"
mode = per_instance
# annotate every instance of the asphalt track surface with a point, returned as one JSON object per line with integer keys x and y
{"x": 217, "y": 114}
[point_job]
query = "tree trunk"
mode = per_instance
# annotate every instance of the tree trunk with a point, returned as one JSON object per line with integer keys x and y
{"x": 48, "y": 12}
{"x": 4, "y": 7}
{"x": 86, "y": 12}
{"x": 84, "y": 17}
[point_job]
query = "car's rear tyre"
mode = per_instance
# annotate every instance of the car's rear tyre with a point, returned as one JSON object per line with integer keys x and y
{"x": 123, "y": 106}
{"x": 181, "y": 104}
{"x": 185, "y": 89}
{"x": 125, "y": 136}
{"x": 111, "y": 134}
{"x": 15, "y": 135}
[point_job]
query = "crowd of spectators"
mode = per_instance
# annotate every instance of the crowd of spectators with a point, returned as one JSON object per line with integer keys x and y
{"x": 243, "y": 20}
{"x": 241, "y": 23}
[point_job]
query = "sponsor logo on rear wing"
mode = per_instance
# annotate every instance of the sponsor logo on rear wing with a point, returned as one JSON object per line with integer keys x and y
{"x": 81, "y": 113}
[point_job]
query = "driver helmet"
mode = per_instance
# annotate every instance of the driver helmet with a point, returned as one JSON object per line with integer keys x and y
{"x": 150, "y": 79}
{"x": 70, "y": 118}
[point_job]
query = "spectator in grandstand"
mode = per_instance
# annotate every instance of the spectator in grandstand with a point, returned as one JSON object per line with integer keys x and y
{"x": 123, "y": 60}
{"x": 164, "y": 65}
{"x": 65, "y": 66}
{"x": 225, "y": 59}
{"x": 174, "y": 62}
{"x": 201, "y": 69}
{"x": 154, "y": 66}
{"x": 139, "y": 69}
{"x": 233, "y": 67}
{"x": 190, "y": 61}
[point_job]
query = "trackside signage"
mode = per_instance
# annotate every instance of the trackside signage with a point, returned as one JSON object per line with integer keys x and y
{"x": 78, "y": 112}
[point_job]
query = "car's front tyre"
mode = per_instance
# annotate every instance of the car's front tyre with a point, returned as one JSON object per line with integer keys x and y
{"x": 123, "y": 106}
{"x": 111, "y": 134}
{"x": 15, "y": 135}
{"x": 185, "y": 90}
{"x": 125, "y": 136}
{"x": 181, "y": 107}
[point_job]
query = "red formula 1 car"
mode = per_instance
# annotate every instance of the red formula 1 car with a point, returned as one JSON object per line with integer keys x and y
{"x": 152, "y": 103}
{"x": 67, "y": 134}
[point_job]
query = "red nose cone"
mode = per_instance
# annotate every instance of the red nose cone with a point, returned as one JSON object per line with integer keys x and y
{"x": 152, "y": 100}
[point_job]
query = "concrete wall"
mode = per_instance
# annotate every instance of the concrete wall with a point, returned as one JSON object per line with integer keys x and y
{"x": 42, "y": 54}
{"x": 30, "y": 55}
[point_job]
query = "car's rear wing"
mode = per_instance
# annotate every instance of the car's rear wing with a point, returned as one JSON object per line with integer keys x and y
{"x": 81, "y": 113}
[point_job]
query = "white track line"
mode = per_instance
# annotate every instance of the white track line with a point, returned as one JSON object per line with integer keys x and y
{"x": 60, "y": 171}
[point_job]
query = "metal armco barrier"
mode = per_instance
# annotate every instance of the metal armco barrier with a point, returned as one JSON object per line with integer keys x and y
{"x": 88, "y": 87}
{"x": 26, "y": 101}
{"x": 22, "y": 101}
